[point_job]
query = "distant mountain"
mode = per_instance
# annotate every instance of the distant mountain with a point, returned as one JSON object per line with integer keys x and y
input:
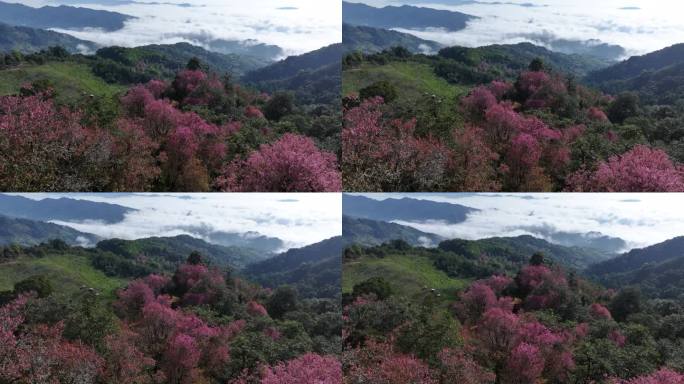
{"x": 509, "y": 59}
{"x": 168, "y": 252}
{"x": 637, "y": 258}
{"x": 406, "y": 209}
{"x": 593, "y": 240}
{"x": 315, "y": 270}
{"x": 251, "y": 240}
{"x": 658, "y": 77}
{"x": 63, "y": 209}
{"x": 64, "y": 17}
{"x": 405, "y": 16}
{"x": 29, "y": 232}
{"x": 370, "y": 40}
{"x": 251, "y": 48}
{"x": 314, "y": 77}
{"x": 141, "y": 64}
{"x": 517, "y": 251}
{"x": 372, "y": 232}
{"x": 29, "y": 40}
{"x": 658, "y": 270}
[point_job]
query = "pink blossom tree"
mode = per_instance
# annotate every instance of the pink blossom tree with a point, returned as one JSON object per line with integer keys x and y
{"x": 293, "y": 163}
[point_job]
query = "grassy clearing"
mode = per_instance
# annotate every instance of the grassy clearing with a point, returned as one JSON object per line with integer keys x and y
{"x": 67, "y": 273}
{"x": 72, "y": 80}
{"x": 412, "y": 80}
{"x": 408, "y": 275}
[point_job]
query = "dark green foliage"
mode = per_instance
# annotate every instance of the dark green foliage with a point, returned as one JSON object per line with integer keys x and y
{"x": 195, "y": 258}
{"x": 382, "y": 89}
{"x": 40, "y": 285}
{"x": 376, "y": 286}
{"x": 537, "y": 65}
{"x": 627, "y": 302}
{"x": 626, "y": 105}
{"x": 194, "y": 64}
{"x": 537, "y": 258}
{"x": 278, "y": 106}
{"x": 283, "y": 300}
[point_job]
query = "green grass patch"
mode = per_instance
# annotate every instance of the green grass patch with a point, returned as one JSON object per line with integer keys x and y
{"x": 407, "y": 274}
{"x": 67, "y": 273}
{"x": 71, "y": 80}
{"x": 412, "y": 80}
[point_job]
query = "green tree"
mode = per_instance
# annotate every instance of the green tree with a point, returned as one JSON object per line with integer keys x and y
{"x": 278, "y": 106}
{"x": 537, "y": 65}
{"x": 625, "y": 303}
{"x": 377, "y": 286}
{"x": 39, "y": 284}
{"x": 194, "y": 64}
{"x": 283, "y": 300}
{"x": 382, "y": 88}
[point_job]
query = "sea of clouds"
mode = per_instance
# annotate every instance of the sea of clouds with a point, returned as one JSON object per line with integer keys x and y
{"x": 639, "y": 219}
{"x": 297, "y": 219}
{"x": 640, "y": 26}
{"x": 297, "y": 26}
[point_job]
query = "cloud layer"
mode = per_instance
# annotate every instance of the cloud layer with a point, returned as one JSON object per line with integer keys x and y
{"x": 640, "y": 26}
{"x": 297, "y": 219}
{"x": 298, "y": 26}
{"x": 640, "y": 219}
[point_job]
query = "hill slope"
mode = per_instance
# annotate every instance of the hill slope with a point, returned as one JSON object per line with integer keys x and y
{"x": 28, "y": 232}
{"x": 657, "y": 270}
{"x": 369, "y": 40}
{"x": 371, "y": 232}
{"x": 403, "y": 209}
{"x": 61, "y": 17}
{"x": 313, "y": 77}
{"x": 315, "y": 270}
{"x": 64, "y": 209}
{"x": 168, "y": 252}
{"x": 405, "y": 16}
{"x": 658, "y": 77}
{"x": 28, "y": 40}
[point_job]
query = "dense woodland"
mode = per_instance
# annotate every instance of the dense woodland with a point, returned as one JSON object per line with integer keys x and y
{"x": 166, "y": 118}
{"x": 410, "y": 318}
{"x": 510, "y": 118}
{"x": 190, "y": 320}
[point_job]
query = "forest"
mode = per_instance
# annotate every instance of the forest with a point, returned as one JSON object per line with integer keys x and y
{"x": 509, "y": 118}
{"x": 444, "y": 315}
{"x": 168, "y": 118}
{"x": 190, "y": 320}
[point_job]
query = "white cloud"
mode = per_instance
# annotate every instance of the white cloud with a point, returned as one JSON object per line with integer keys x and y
{"x": 297, "y": 219}
{"x": 639, "y": 219}
{"x": 312, "y": 25}
{"x": 654, "y": 25}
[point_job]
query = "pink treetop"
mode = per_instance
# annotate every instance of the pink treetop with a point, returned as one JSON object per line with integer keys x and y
{"x": 617, "y": 337}
{"x": 132, "y": 299}
{"x": 136, "y": 99}
{"x": 256, "y": 309}
{"x": 525, "y": 364}
{"x": 597, "y": 114}
{"x": 180, "y": 360}
{"x": 500, "y": 88}
{"x": 598, "y": 311}
{"x": 253, "y": 112}
{"x": 157, "y": 88}
{"x": 462, "y": 369}
{"x": 475, "y": 301}
{"x": 291, "y": 164}
{"x": 306, "y": 369}
{"x": 640, "y": 170}
{"x": 663, "y": 376}
{"x": 479, "y": 101}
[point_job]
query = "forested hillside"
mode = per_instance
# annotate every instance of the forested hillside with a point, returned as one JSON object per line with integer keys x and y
{"x": 163, "y": 118}
{"x": 160, "y": 310}
{"x": 509, "y": 118}
{"x": 488, "y": 312}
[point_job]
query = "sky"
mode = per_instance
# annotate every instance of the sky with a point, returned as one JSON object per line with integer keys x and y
{"x": 297, "y": 26}
{"x": 640, "y": 26}
{"x": 297, "y": 219}
{"x": 639, "y": 219}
